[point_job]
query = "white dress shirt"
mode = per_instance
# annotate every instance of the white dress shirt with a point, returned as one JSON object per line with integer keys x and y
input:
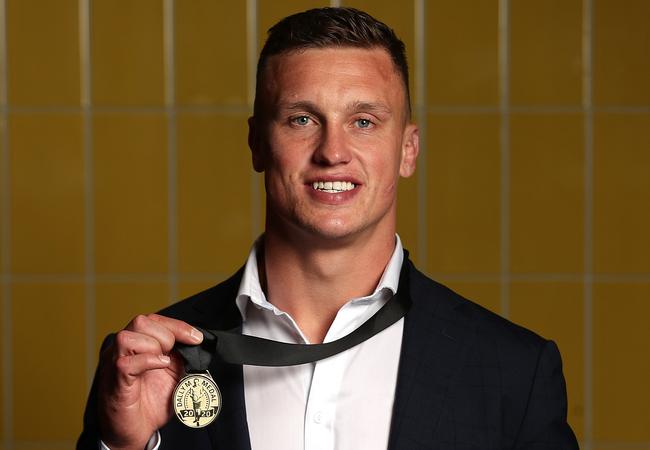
{"x": 344, "y": 402}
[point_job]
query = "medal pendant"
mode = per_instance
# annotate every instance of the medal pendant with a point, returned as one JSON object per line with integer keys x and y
{"x": 197, "y": 400}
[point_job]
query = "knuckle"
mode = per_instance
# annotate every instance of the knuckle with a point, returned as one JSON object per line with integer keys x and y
{"x": 140, "y": 321}
{"x": 167, "y": 341}
{"x": 122, "y": 339}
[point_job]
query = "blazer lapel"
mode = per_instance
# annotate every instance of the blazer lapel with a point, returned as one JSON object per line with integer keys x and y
{"x": 434, "y": 345}
{"x": 219, "y": 311}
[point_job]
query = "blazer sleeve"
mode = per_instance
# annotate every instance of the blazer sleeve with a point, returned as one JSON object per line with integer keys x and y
{"x": 545, "y": 421}
{"x": 89, "y": 438}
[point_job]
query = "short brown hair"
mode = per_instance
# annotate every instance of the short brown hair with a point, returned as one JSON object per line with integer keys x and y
{"x": 333, "y": 27}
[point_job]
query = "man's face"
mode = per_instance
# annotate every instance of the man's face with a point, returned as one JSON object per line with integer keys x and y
{"x": 332, "y": 138}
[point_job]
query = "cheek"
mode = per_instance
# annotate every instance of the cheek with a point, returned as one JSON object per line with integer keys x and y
{"x": 282, "y": 180}
{"x": 280, "y": 163}
{"x": 391, "y": 188}
{"x": 288, "y": 156}
{"x": 388, "y": 171}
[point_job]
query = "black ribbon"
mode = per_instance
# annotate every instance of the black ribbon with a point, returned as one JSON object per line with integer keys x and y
{"x": 235, "y": 348}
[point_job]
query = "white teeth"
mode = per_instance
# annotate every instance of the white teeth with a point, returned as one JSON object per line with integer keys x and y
{"x": 333, "y": 187}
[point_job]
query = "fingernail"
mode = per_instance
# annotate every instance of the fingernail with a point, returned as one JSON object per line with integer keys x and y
{"x": 196, "y": 335}
{"x": 164, "y": 358}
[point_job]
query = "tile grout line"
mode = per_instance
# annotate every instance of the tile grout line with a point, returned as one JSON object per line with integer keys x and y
{"x": 251, "y": 59}
{"x": 127, "y": 109}
{"x": 35, "y": 278}
{"x": 587, "y": 92}
{"x": 3, "y": 58}
{"x": 89, "y": 182}
{"x": 5, "y": 242}
{"x": 504, "y": 134}
{"x": 421, "y": 109}
{"x": 169, "y": 36}
{"x": 243, "y": 109}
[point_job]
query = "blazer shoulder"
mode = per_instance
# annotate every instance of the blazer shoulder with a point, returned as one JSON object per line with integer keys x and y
{"x": 487, "y": 324}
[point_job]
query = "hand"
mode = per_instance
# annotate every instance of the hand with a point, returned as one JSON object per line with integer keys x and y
{"x": 137, "y": 377}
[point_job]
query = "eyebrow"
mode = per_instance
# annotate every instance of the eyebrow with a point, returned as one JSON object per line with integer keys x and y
{"x": 355, "y": 106}
{"x": 299, "y": 106}
{"x": 379, "y": 108}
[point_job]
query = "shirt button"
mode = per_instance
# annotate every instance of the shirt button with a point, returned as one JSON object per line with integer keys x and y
{"x": 318, "y": 417}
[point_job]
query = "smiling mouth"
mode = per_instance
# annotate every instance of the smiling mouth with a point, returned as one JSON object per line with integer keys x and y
{"x": 333, "y": 187}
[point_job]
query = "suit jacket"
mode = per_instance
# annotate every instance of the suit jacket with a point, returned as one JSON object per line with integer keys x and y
{"x": 467, "y": 379}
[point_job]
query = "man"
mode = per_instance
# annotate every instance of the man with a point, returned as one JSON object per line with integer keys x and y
{"x": 331, "y": 131}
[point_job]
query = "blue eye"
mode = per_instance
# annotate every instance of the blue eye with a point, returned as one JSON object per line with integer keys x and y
{"x": 363, "y": 123}
{"x": 301, "y": 120}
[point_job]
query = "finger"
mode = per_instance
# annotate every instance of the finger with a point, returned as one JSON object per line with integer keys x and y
{"x": 142, "y": 324}
{"x": 129, "y": 343}
{"x": 129, "y": 367}
{"x": 183, "y": 332}
{"x": 165, "y": 330}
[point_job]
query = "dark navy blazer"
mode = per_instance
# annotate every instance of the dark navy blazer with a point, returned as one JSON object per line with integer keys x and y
{"x": 467, "y": 379}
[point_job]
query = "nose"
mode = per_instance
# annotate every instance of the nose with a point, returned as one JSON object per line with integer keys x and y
{"x": 333, "y": 148}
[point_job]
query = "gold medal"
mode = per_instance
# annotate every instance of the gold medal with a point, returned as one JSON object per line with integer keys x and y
{"x": 197, "y": 400}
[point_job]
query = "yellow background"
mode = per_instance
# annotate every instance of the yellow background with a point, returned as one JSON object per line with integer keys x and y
{"x": 126, "y": 184}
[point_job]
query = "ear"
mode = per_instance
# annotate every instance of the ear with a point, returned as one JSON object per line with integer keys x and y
{"x": 255, "y": 144}
{"x": 410, "y": 150}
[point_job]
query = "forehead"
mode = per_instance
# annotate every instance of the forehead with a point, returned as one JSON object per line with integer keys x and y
{"x": 332, "y": 74}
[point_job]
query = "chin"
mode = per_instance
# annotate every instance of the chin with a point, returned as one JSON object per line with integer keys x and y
{"x": 331, "y": 230}
{"x": 319, "y": 226}
{"x": 327, "y": 229}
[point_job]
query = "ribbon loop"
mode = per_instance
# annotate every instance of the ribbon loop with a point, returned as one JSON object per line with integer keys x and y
{"x": 235, "y": 348}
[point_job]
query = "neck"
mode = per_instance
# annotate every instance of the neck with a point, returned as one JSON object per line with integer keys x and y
{"x": 312, "y": 282}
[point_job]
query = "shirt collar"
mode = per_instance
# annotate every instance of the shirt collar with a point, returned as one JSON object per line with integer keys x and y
{"x": 250, "y": 289}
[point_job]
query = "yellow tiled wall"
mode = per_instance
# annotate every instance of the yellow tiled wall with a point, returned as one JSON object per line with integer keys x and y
{"x": 126, "y": 184}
